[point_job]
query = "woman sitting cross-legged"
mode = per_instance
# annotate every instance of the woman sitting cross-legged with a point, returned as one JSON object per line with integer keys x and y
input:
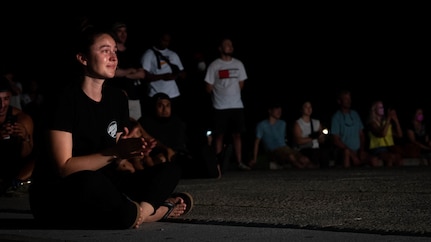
{"x": 76, "y": 181}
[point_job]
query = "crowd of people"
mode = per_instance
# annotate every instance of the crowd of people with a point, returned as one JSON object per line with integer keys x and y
{"x": 129, "y": 128}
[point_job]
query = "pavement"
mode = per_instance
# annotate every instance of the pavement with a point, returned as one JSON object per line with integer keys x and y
{"x": 333, "y": 204}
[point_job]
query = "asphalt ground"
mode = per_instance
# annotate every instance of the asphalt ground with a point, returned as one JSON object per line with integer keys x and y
{"x": 335, "y": 204}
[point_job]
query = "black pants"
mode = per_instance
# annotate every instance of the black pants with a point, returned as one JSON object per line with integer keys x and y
{"x": 92, "y": 200}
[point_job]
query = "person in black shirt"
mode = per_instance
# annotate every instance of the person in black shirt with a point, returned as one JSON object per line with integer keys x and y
{"x": 77, "y": 183}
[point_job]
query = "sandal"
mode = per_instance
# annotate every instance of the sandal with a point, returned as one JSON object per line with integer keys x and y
{"x": 188, "y": 200}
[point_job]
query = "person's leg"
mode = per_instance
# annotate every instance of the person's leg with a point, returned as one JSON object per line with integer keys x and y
{"x": 237, "y": 146}
{"x": 238, "y": 128}
{"x": 152, "y": 186}
{"x": 83, "y": 200}
{"x": 346, "y": 158}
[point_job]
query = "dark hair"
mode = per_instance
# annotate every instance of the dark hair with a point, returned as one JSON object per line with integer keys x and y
{"x": 158, "y": 96}
{"x": 5, "y": 85}
{"x": 342, "y": 92}
{"x": 87, "y": 37}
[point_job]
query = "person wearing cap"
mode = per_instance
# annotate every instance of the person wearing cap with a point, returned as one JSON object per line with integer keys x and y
{"x": 129, "y": 75}
{"x": 16, "y": 144}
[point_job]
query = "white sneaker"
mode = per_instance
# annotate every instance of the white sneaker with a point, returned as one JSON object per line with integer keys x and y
{"x": 243, "y": 167}
{"x": 275, "y": 166}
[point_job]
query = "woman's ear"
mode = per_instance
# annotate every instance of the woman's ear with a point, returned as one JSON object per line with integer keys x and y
{"x": 81, "y": 58}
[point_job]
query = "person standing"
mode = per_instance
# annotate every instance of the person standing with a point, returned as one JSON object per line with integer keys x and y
{"x": 76, "y": 182}
{"x": 225, "y": 77}
{"x": 163, "y": 68}
{"x": 129, "y": 75}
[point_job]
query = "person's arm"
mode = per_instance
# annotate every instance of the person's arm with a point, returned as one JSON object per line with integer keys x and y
{"x": 208, "y": 87}
{"x": 379, "y": 130}
{"x": 297, "y": 135}
{"x": 136, "y": 74}
{"x": 411, "y": 137}
{"x": 241, "y": 84}
{"x": 62, "y": 145}
{"x": 121, "y": 72}
{"x": 24, "y": 129}
{"x": 256, "y": 149}
{"x": 397, "y": 131}
{"x": 149, "y": 77}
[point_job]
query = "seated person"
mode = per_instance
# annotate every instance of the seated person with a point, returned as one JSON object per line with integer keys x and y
{"x": 348, "y": 135}
{"x": 382, "y": 130}
{"x": 16, "y": 144}
{"x": 308, "y": 137}
{"x": 196, "y": 159}
{"x": 272, "y": 132}
{"x": 418, "y": 140}
{"x": 160, "y": 153}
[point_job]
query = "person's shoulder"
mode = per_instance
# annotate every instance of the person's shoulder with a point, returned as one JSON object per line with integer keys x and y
{"x": 236, "y": 60}
{"x": 336, "y": 114}
{"x": 16, "y": 111}
{"x": 21, "y": 115}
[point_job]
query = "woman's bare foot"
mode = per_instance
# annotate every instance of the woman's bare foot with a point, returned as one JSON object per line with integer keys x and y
{"x": 140, "y": 217}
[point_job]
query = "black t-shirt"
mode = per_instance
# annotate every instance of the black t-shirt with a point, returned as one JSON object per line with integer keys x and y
{"x": 93, "y": 125}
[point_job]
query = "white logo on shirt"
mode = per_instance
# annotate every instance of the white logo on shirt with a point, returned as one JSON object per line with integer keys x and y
{"x": 112, "y": 129}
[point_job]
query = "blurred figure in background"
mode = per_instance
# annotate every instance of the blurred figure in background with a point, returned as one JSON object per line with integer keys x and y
{"x": 129, "y": 75}
{"x": 272, "y": 132}
{"x": 348, "y": 134}
{"x": 309, "y": 138}
{"x": 16, "y": 144}
{"x": 225, "y": 78}
{"x": 163, "y": 69}
{"x": 382, "y": 128}
{"x": 418, "y": 140}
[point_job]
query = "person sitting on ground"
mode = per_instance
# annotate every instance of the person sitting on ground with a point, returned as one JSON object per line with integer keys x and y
{"x": 16, "y": 144}
{"x": 76, "y": 184}
{"x": 308, "y": 137}
{"x": 196, "y": 158}
{"x": 348, "y": 135}
{"x": 159, "y": 154}
{"x": 418, "y": 137}
{"x": 272, "y": 132}
{"x": 381, "y": 131}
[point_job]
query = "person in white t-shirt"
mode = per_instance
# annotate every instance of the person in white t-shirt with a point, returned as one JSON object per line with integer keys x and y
{"x": 163, "y": 68}
{"x": 225, "y": 79}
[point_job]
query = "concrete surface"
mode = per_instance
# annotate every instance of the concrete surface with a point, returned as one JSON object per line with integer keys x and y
{"x": 360, "y": 204}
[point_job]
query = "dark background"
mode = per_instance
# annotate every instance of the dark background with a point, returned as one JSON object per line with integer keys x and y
{"x": 290, "y": 52}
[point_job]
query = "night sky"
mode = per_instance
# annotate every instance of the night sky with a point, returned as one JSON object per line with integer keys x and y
{"x": 290, "y": 52}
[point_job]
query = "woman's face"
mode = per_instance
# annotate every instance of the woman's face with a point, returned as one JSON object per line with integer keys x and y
{"x": 379, "y": 109}
{"x": 102, "y": 61}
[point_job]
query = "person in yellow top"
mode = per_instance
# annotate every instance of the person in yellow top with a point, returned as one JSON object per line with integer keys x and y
{"x": 381, "y": 132}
